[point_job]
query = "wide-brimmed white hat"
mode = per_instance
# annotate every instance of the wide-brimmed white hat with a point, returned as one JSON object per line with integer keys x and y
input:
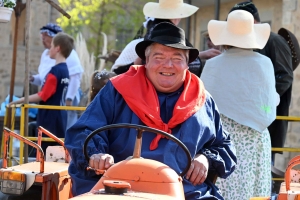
{"x": 169, "y": 9}
{"x": 239, "y": 31}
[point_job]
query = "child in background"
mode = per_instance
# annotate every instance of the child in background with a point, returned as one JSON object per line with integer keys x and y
{"x": 54, "y": 89}
{"x": 98, "y": 81}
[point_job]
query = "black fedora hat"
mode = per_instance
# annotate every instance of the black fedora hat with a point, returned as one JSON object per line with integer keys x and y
{"x": 293, "y": 44}
{"x": 169, "y": 35}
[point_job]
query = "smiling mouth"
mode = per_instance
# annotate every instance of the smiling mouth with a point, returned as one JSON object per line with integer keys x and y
{"x": 166, "y": 74}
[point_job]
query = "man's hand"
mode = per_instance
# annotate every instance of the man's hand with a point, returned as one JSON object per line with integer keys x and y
{"x": 198, "y": 170}
{"x": 21, "y": 100}
{"x": 101, "y": 161}
{"x": 11, "y": 103}
{"x": 210, "y": 53}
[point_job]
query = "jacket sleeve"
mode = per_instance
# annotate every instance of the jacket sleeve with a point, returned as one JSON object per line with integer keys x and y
{"x": 97, "y": 114}
{"x": 219, "y": 150}
{"x": 74, "y": 85}
{"x": 280, "y": 54}
{"x": 36, "y": 80}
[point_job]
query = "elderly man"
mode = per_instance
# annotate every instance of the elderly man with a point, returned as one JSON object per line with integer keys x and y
{"x": 163, "y": 94}
{"x": 75, "y": 70}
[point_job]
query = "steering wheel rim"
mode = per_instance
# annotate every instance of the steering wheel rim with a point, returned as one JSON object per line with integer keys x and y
{"x": 143, "y": 129}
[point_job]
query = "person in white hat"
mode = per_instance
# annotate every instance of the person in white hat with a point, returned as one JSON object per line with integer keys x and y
{"x": 242, "y": 83}
{"x": 163, "y": 11}
{"x": 169, "y": 9}
{"x": 280, "y": 53}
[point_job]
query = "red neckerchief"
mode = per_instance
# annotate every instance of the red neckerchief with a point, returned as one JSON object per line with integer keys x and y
{"x": 141, "y": 97}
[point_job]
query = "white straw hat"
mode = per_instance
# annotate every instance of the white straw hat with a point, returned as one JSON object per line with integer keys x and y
{"x": 239, "y": 31}
{"x": 169, "y": 9}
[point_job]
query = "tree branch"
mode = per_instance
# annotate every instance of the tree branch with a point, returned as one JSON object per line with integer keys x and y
{"x": 58, "y": 8}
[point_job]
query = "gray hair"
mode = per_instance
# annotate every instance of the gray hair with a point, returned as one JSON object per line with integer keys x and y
{"x": 149, "y": 48}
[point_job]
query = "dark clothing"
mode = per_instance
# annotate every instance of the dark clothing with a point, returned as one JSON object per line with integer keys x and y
{"x": 196, "y": 66}
{"x": 279, "y": 52}
{"x": 123, "y": 69}
{"x": 54, "y": 121}
{"x": 278, "y": 128}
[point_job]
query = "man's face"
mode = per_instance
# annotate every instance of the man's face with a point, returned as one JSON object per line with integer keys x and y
{"x": 166, "y": 67}
{"x": 46, "y": 39}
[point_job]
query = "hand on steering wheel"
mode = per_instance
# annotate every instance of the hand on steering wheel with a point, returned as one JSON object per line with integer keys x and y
{"x": 137, "y": 149}
{"x": 101, "y": 161}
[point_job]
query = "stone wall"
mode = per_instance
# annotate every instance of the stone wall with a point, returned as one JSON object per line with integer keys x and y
{"x": 41, "y": 13}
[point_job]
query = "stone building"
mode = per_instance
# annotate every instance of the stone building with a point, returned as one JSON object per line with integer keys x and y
{"x": 279, "y": 13}
{"x": 41, "y": 13}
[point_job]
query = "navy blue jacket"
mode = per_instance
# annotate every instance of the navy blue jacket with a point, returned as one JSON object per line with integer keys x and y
{"x": 202, "y": 133}
{"x": 55, "y": 121}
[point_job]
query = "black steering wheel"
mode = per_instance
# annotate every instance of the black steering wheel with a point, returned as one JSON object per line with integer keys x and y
{"x": 137, "y": 150}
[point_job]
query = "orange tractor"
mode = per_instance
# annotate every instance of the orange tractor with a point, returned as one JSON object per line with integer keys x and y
{"x": 43, "y": 180}
{"x": 136, "y": 177}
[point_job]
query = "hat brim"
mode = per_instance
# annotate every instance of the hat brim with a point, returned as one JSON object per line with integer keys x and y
{"x": 220, "y": 35}
{"x": 152, "y": 9}
{"x": 293, "y": 44}
{"x": 141, "y": 47}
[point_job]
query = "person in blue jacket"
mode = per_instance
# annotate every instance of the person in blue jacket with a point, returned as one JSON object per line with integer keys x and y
{"x": 164, "y": 95}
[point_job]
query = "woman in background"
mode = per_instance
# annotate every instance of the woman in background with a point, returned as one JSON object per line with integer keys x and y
{"x": 242, "y": 83}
